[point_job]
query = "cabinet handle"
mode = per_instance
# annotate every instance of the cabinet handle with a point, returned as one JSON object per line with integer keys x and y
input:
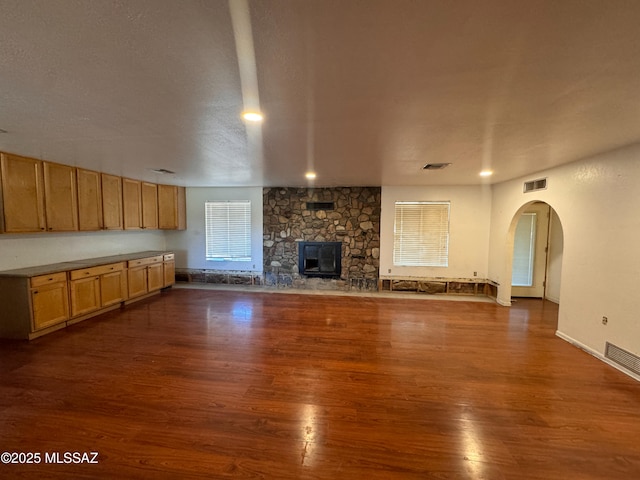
{"x": 35, "y": 291}
{"x": 51, "y": 279}
{"x": 86, "y": 273}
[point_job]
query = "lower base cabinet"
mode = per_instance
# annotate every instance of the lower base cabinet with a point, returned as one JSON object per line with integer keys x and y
{"x": 33, "y": 304}
{"x": 49, "y": 300}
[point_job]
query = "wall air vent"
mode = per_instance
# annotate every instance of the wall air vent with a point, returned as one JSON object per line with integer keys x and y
{"x": 533, "y": 185}
{"x": 320, "y": 206}
{"x": 623, "y": 358}
{"x": 435, "y": 166}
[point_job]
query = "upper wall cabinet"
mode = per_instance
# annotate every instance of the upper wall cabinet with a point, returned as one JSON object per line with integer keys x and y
{"x": 112, "y": 202}
{"x": 60, "y": 197}
{"x": 149, "y": 205}
{"x": 22, "y": 194}
{"x": 132, "y": 204}
{"x": 89, "y": 200}
{"x": 171, "y": 207}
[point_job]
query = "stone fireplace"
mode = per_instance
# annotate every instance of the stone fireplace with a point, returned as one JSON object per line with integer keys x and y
{"x": 320, "y": 259}
{"x": 347, "y": 217}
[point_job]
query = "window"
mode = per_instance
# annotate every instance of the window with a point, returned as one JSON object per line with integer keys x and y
{"x": 524, "y": 246}
{"x": 228, "y": 231}
{"x": 421, "y": 234}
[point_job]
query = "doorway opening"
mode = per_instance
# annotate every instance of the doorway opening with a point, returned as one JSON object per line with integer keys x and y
{"x": 537, "y": 252}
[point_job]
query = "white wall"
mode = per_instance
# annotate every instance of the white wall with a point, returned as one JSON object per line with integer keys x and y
{"x": 19, "y": 251}
{"x": 598, "y": 203}
{"x": 189, "y": 244}
{"x": 468, "y": 235}
{"x": 554, "y": 260}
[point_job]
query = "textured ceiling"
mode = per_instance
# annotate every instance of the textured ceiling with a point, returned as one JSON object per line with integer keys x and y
{"x": 364, "y": 92}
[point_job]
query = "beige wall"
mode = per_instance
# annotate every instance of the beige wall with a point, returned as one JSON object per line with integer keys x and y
{"x": 468, "y": 234}
{"x": 28, "y": 250}
{"x": 597, "y": 201}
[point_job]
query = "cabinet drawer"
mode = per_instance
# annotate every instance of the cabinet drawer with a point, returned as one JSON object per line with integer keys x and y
{"x": 145, "y": 261}
{"x": 48, "y": 279}
{"x": 169, "y": 256}
{"x": 95, "y": 271}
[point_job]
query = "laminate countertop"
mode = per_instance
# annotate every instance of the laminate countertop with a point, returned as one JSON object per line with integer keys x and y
{"x": 77, "y": 264}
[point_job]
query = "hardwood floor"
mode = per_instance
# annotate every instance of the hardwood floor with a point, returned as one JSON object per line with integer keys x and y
{"x": 219, "y": 384}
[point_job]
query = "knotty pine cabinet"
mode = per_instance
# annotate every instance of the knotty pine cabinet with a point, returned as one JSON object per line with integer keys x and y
{"x": 112, "y": 202}
{"x": 132, "y": 203}
{"x": 145, "y": 275}
{"x": 49, "y": 300}
{"x": 37, "y": 196}
{"x": 90, "y": 215}
{"x": 37, "y": 300}
{"x": 97, "y": 287}
{"x": 60, "y": 197}
{"x": 149, "y": 195}
{"x": 169, "y": 269}
{"x": 22, "y": 194}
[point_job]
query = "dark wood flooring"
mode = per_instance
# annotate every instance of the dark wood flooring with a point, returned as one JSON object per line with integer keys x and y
{"x": 219, "y": 384}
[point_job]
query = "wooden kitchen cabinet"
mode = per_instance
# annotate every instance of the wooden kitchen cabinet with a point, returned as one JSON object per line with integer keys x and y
{"x": 49, "y": 300}
{"x": 146, "y": 275}
{"x": 168, "y": 207}
{"x": 60, "y": 197}
{"x": 169, "y": 267}
{"x": 132, "y": 203}
{"x": 112, "y": 202}
{"x": 85, "y": 295}
{"x": 97, "y": 287}
{"x": 90, "y": 215}
{"x": 182, "y": 208}
{"x": 149, "y": 193}
{"x": 22, "y": 194}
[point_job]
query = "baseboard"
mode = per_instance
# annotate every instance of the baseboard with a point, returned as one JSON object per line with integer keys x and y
{"x": 598, "y": 355}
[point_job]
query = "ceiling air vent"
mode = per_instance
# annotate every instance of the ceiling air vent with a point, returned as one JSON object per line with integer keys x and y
{"x": 435, "y": 166}
{"x": 533, "y": 185}
{"x": 162, "y": 171}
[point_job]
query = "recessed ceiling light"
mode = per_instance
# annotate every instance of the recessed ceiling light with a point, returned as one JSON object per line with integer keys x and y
{"x": 310, "y": 175}
{"x": 253, "y": 116}
{"x": 486, "y": 173}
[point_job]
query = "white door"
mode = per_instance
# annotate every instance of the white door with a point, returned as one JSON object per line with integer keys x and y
{"x": 530, "y": 252}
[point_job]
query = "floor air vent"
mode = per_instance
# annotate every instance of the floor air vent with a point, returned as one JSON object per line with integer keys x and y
{"x": 534, "y": 185}
{"x": 623, "y": 358}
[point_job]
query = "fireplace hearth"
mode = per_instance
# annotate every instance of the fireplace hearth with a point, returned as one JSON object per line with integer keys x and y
{"x": 320, "y": 259}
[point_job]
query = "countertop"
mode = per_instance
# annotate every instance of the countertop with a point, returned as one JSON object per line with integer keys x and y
{"x": 77, "y": 264}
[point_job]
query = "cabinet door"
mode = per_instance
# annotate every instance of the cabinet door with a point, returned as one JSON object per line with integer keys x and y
{"x": 182, "y": 208}
{"x": 22, "y": 194}
{"x": 89, "y": 200}
{"x": 113, "y": 288}
{"x": 132, "y": 204}
{"x": 112, "y": 202}
{"x": 85, "y": 295}
{"x": 149, "y": 205}
{"x": 156, "y": 276}
{"x": 168, "y": 207}
{"x": 137, "y": 281}
{"x": 60, "y": 197}
{"x": 169, "y": 273}
{"x": 50, "y": 305}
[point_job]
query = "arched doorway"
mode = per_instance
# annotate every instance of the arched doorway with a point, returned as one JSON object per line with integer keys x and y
{"x": 535, "y": 244}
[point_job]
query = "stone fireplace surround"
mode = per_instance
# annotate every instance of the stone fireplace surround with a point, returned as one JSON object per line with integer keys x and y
{"x": 349, "y": 215}
{"x": 354, "y": 221}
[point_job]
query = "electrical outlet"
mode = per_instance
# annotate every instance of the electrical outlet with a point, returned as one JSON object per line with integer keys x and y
{"x": 605, "y": 320}
{"x": 475, "y": 274}
{"x": 389, "y": 270}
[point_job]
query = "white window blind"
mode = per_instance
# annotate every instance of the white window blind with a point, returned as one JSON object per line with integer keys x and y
{"x": 524, "y": 245}
{"x": 421, "y": 234}
{"x": 228, "y": 230}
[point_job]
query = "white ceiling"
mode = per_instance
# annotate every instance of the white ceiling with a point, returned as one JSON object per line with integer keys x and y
{"x": 364, "y": 92}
